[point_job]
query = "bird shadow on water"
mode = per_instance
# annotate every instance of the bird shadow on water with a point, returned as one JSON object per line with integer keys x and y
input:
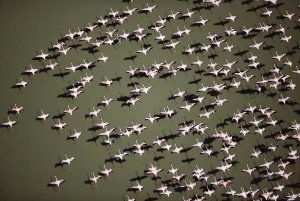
{"x": 131, "y": 57}
{"x": 93, "y": 139}
{"x": 61, "y": 74}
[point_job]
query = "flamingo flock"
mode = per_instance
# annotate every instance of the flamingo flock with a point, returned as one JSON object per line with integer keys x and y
{"x": 255, "y": 68}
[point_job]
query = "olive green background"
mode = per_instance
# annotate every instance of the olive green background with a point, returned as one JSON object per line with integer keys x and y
{"x": 30, "y": 149}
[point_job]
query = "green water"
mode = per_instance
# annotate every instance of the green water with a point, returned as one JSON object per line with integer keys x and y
{"x": 29, "y": 151}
